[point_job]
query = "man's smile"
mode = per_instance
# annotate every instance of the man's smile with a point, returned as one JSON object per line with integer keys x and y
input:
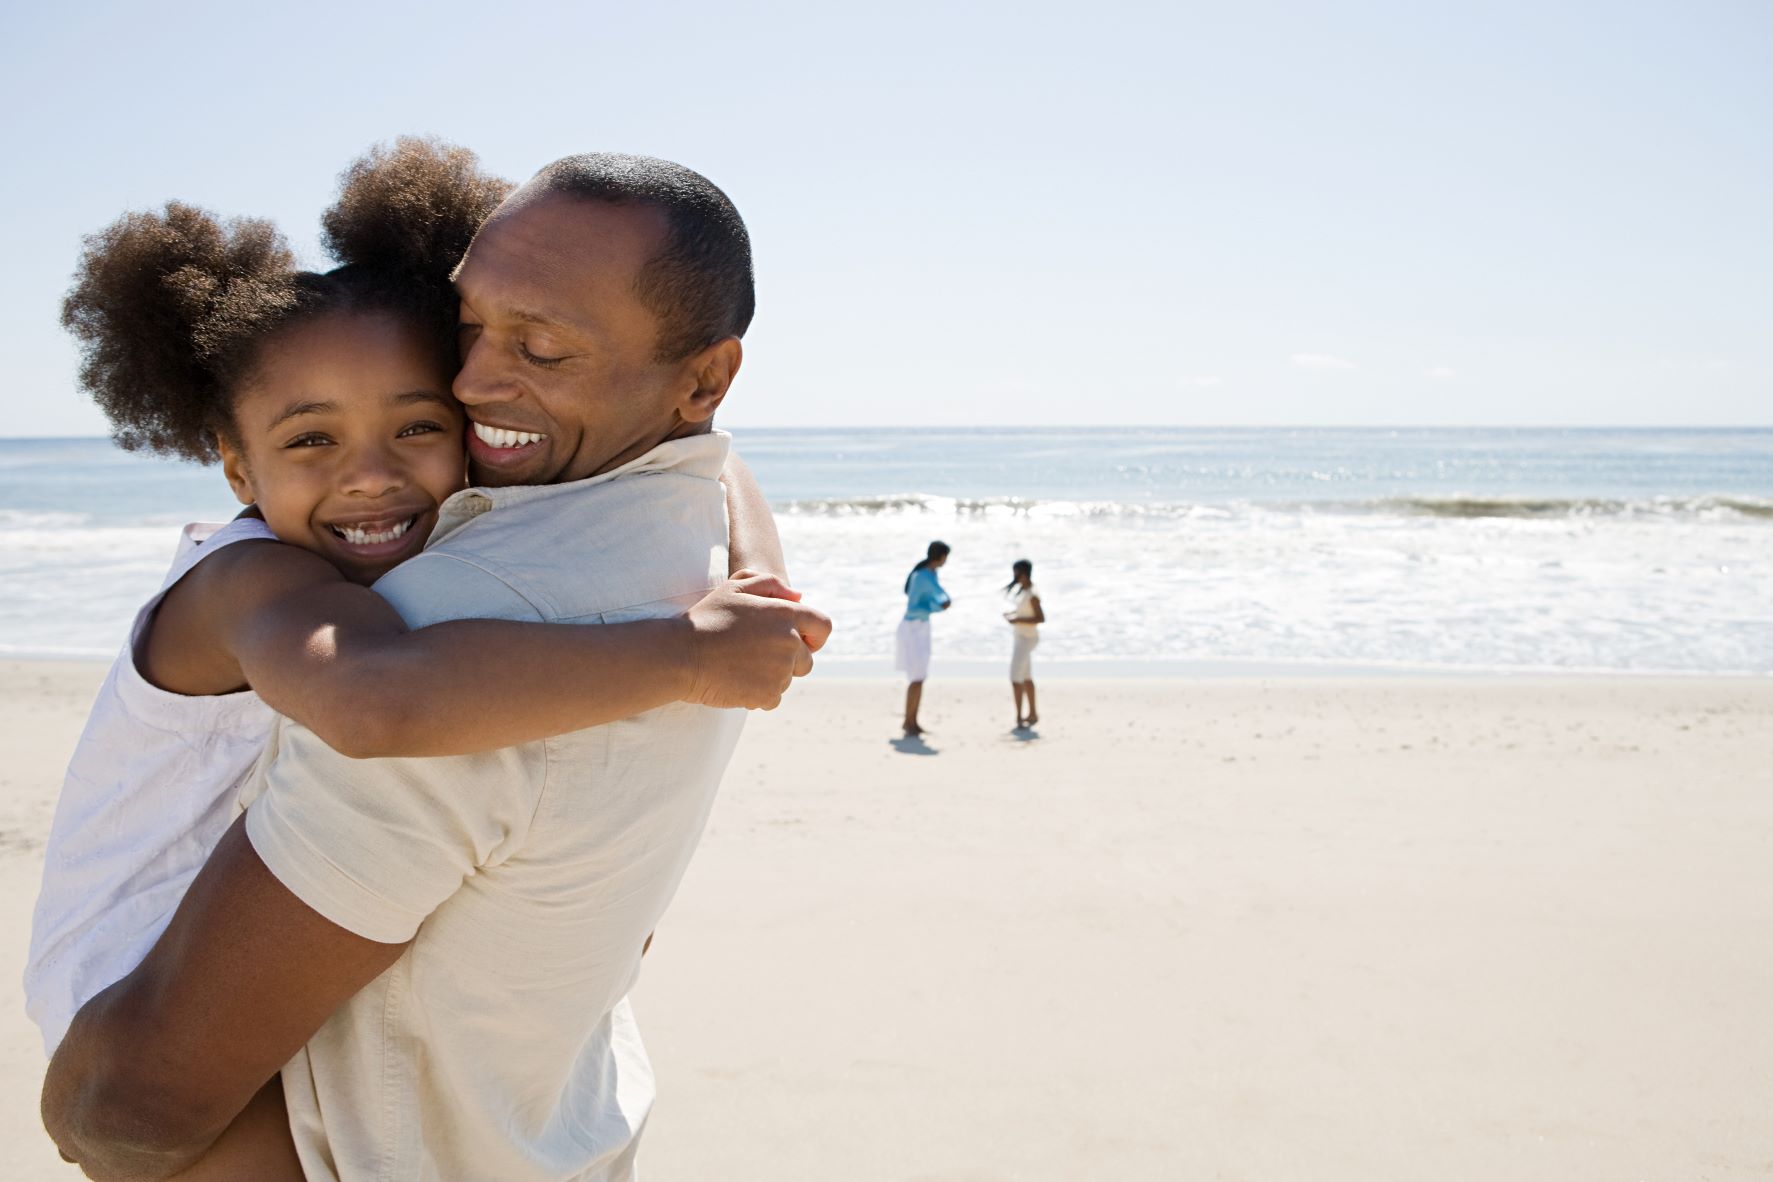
{"x": 504, "y": 438}
{"x": 502, "y": 447}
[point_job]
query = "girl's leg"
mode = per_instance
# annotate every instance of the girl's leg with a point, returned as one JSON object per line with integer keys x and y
{"x": 913, "y": 699}
{"x": 256, "y": 1146}
{"x": 1016, "y": 692}
{"x": 1033, "y": 714}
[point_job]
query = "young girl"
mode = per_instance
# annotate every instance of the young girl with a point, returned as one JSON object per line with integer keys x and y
{"x": 1025, "y": 617}
{"x": 326, "y": 398}
{"x": 923, "y": 595}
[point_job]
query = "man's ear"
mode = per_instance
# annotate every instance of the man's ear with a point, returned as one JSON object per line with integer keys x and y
{"x": 713, "y": 371}
{"x": 235, "y": 469}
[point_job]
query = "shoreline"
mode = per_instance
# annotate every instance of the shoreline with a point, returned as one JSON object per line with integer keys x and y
{"x": 1254, "y": 669}
{"x": 1136, "y": 669}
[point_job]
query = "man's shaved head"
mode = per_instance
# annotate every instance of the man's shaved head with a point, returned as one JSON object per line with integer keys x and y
{"x": 699, "y": 284}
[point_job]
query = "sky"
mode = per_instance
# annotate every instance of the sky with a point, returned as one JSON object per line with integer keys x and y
{"x": 1016, "y": 214}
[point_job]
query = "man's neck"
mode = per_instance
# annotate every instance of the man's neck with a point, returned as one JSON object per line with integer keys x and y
{"x": 680, "y": 429}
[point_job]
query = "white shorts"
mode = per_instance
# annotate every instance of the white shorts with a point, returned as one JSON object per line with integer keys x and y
{"x": 1022, "y": 656}
{"x": 912, "y": 650}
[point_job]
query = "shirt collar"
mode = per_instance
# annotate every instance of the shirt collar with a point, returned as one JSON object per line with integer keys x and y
{"x": 701, "y": 456}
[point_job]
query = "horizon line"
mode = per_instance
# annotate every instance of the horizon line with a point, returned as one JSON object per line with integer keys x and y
{"x": 1029, "y": 428}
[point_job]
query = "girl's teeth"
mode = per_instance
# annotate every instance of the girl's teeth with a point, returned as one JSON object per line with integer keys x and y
{"x": 500, "y": 437}
{"x": 363, "y": 537}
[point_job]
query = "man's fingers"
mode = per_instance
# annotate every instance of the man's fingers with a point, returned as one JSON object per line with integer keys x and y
{"x": 803, "y": 661}
{"x": 768, "y": 586}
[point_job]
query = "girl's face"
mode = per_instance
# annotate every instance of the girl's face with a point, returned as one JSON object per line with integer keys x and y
{"x": 348, "y": 440}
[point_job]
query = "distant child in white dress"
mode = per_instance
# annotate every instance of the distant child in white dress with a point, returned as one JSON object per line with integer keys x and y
{"x": 326, "y": 398}
{"x": 1025, "y": 617}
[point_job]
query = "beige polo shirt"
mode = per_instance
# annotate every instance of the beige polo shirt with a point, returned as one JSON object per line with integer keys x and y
{"x": 499, "y": 1046}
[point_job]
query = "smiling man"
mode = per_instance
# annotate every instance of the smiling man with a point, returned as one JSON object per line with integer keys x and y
{"x": 558, "y": 295}
{"x": 436, "y": 952}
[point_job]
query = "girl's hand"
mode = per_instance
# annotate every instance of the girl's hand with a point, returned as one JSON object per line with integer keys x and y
{"x": 750, "y": 638}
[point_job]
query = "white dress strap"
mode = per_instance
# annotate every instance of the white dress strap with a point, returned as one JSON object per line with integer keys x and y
{"x": 200, "y": 539}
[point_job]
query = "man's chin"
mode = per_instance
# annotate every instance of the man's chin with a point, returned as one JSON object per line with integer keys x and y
{"x": 529, "y": 470}
{"x": 481, "y": 476}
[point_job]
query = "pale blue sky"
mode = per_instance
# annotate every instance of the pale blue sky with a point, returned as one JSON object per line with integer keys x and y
{"x": 1259, "y": 213}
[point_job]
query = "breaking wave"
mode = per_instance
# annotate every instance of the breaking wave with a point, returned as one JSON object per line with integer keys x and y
{"x": 1683, "y": 507}
{"x": 1735, "y": 508}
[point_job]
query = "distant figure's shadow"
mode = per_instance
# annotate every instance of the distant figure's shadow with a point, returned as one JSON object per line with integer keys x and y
{"x": 1024, "y": 734}
{"x": 911, "y": 745}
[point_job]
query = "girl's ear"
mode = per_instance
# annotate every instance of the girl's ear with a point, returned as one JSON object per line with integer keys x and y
{"x": 235, "y": 469}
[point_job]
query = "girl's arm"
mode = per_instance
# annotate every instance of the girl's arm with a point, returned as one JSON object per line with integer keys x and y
{"x": 336, "y": 657}
{"x": 926, "y": 593}
{"x": 752, "y": 541}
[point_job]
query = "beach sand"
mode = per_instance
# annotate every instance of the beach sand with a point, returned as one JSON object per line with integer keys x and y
{"x": 1392, "y": 928}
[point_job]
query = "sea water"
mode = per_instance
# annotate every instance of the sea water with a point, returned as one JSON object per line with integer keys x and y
{"x": 1645, "y": 551}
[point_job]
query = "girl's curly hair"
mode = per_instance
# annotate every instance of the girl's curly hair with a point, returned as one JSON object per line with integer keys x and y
{"x": 171, "y": 309}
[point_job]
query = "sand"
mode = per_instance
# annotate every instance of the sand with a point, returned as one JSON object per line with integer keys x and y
{"x": 1394, "y": 928}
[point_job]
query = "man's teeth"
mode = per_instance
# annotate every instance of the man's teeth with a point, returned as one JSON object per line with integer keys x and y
{"x": 499, "y": 437}
{"x": 363, "y": 537}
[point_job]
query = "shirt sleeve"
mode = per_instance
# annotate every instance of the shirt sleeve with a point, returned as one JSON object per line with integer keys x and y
{"x": 375, "y": 845}
{"x": 926, "y": 592}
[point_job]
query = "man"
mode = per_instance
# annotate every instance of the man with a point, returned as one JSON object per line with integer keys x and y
{"x": 439, "y": 949}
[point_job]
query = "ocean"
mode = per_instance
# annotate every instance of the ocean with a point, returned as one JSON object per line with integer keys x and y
{"x": 1631, "y": 551}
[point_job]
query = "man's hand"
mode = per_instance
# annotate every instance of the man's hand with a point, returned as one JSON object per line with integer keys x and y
{"x": 750, "y": 638}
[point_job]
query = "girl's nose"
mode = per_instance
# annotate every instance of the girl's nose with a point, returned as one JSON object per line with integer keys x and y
{"x": 373, "y": 472}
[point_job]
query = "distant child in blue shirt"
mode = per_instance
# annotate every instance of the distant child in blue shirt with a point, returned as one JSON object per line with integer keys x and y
{"x": 923, "y": 595}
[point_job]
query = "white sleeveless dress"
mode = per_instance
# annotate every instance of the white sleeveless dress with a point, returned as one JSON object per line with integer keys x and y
{"x": 1027, "y": 633}
{"x": 148, "y": 794}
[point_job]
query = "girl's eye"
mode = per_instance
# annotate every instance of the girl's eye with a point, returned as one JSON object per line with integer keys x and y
{"x": 540, "y": 362}
{"x": 418, "y": 429}
{"x": 311, "y": 439}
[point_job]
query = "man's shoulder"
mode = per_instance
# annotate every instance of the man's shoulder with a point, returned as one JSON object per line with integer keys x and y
{"x": 440, "y": 584}
{"x": 571, "y": 553}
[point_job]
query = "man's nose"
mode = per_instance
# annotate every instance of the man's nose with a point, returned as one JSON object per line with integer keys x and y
{"x": 482, "y": 378}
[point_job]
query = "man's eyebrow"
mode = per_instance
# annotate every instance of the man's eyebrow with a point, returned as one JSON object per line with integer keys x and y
{"x": 304, "y": 407}
{"x": 532, "y": 317}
